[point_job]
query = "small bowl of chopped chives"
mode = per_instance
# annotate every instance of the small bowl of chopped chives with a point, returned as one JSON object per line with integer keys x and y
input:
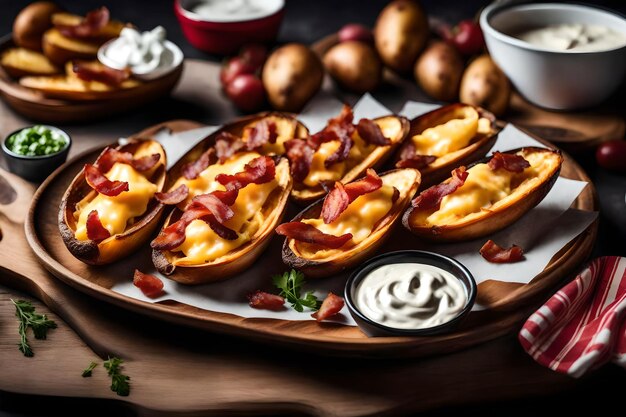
{"x": 34, "y": 152}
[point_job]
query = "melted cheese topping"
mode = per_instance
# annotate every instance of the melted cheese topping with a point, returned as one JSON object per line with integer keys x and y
{"x": 360, "y": 219}
{"x": 454, "y": 134}
{"x": 116, "y": 213}
{"x": 359, "y": 151}
{"x": 202, "y": 244}
{"x": 485, "y": 190}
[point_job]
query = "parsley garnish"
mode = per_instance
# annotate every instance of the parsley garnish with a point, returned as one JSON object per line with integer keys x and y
{"x": 290, "y": 285}
{"x": 25, "y": 312}
{"x": 87, "y": 371}
{"x": 119, "y": 382}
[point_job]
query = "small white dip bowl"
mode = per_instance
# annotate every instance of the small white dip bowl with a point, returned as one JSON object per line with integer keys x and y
{"x": 559, "y": 80}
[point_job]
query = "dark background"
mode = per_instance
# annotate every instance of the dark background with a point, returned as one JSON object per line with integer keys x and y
{"x": 307, "y": 21}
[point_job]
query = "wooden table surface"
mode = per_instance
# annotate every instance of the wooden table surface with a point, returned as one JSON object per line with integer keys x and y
{"x": 223, "y": 373}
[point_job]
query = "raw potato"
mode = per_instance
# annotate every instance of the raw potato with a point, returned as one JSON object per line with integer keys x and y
{"x": 354, "y": 65}
{"x": 18, "y": 62}
{"x": 400, "y": 34}
{"x": 32, "y": 22}
{"x": 292, "y": 75}
{"x": 438, "y": 71}
{"x": 485, "y": 85}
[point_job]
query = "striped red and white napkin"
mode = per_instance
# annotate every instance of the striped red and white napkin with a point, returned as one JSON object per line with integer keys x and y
{"x": 582, "y": 326}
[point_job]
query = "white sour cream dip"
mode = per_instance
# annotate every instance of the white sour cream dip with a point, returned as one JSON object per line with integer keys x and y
{"x": 236, "y": 10}
{"x": 147, "y": 55}
{"x": 410, "y": 296}
{"x": 576, "y": 37}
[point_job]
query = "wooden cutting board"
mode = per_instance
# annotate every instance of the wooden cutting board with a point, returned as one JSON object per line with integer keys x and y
{"x": 181, "y": 371}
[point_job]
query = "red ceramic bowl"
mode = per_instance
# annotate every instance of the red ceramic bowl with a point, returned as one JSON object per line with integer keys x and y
{"x": 227, "y": 36}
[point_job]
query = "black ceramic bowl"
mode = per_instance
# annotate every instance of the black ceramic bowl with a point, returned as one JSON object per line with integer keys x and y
{"x": 35, "y": 168}
{"x": 372, "y": 328}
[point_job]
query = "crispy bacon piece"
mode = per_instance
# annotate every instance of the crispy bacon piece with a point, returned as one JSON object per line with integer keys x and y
{"x": 110, "y": 156}
{"x": 410, "y": 159}
{"x": 174, "y": 235}
{"x": 173, "y": 197}
{"x": 340, "y": 197}
{"x": 342, "y": 128}
{"x": 266, "y": 301}
{"x": 431, "y": 197}
{"x": 371, "y": 133}
{"x": 102, "y": 184}
{"x": 258, "y": 171}
{"x": 95, "y": 230}
{"x": 89, "y": 26}
{"x": 149, "y": 285}
{"x": 227, "y": 144}
{"x": 170, "y": 237}
{"x": 220, "y": 210}
{"x": 307, "y": 233}
{"x": 192, "y": 170}
{"x": 342, "y": 152}
{"x": 331, "y": 305}
{"x": 300, "y": 156}
{"x": 416, "y": 161}
{"x": 508, "y": 161}
{"x": 498, "y": 255}
{"x": 89, "y": 71}
{"x": 261, "y": 133}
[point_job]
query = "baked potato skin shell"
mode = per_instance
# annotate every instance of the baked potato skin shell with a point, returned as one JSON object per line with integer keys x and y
{"x": 375, "y": 160}
{"x": 235, "y": 262}
{"x": 495, "y": 220}
{"x": 121, "y": 245}
{"x": 360, "y": 252}
{"x": 473, "y": 152}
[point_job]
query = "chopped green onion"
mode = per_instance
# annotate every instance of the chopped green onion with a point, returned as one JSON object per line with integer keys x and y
{"x": 36, "y": 141}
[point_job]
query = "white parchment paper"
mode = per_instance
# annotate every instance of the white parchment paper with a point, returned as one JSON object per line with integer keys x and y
{"x": 542, "y": 232}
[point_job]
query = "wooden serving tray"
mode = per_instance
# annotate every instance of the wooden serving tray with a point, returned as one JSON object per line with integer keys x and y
{"x": 35, "y": 106}
{"x": 510, "y": 303}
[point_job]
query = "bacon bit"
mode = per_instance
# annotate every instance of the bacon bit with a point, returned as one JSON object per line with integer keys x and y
{"x": 307, "y": 233}
{"x": 258, "y": 171}
{"x": 89, "y": 71}
{"x": 498, "y": 255}
{"x": 342, "y": 152}
{"x": 89, "y": 26}
{"x": 149, "y": 285}
{"x": 265, "y": 301}
{"x": 102, "y": 184}
{"x": 331, "y": 305}
{"x": 173, "y": 197}
{"x": 410, "y": 159}
{"x": 340, "y": 197}
{"x": 219, "y": 229}
{"x": 170, "y": 237}
{"x": 95, "y": 230}
{"x": 221, "y": 211}
{"x": 192, "y": 170}
{"x": 371, "y": 133}
{"x": 300, "y": 156}
{"x": 264, "y": 131}
{"x": 396, "y": 195}
{"x": 431, "y": 197}
{"x": 226, "y": 145}
{"x": 110, "y": 156}
{"x": 342, "y": 128}
{"x": 508, "y": 161}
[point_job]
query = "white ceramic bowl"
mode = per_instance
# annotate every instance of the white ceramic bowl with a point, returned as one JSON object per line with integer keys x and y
{"x": 560, "y": 80}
